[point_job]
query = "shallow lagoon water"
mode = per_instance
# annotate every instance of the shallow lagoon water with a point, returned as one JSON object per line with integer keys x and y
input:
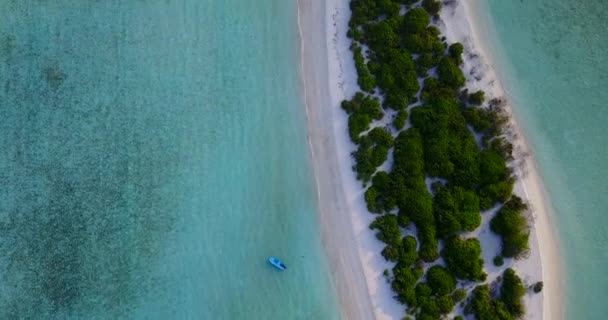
{"x": 553, "y": 56}
{"x": 153, "y": 156}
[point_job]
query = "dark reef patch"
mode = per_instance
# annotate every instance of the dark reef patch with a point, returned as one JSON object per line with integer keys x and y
{"x": 54, "y": 76}
{"x": 85, "y": 206}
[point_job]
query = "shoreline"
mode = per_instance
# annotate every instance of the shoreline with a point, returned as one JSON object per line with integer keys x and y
{"x": 352, "y": 249}
{"x": 544, "y": 263}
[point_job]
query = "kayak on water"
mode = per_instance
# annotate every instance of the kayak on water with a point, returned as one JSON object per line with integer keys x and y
{"x": 277, "y": 263}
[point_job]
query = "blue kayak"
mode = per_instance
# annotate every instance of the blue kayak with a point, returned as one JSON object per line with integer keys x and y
{"x": 277, "y": 263}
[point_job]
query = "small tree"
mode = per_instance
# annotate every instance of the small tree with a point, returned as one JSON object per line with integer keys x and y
{"x": 537, "y": 287}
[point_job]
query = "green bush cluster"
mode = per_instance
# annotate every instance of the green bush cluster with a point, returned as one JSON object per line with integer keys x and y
{"x": 365, "y": 80}
{"x": 450, "y": 73}
{"x": 450, "y": 152}
{"x": 400, "y": 119}
{"x": 477, "y": 98}
{"x": 440, "y": 280}
{"x": 508, "y": 305}
{"x": 498, "y": 261}
{"x": 432, "y": 7}
{"x": 439, "y": 144}
{"x": 362, "y": 110}
{"x": 512, "y": 291}
{"x": 463, "y": 258}
{"x": 512, "y": 227}
{"x": 372, "y": 151}
{"x": 456, "y": 209}
{"x": 488, "y": 122}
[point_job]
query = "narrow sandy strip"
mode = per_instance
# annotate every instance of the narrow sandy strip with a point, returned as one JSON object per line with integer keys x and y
{"x": 461, "y": 23}
{"x": 336, "y": 226}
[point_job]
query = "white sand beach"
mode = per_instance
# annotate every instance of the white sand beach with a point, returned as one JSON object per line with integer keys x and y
{"x": 352, "y": 249}
{"x": 329, "y": 76}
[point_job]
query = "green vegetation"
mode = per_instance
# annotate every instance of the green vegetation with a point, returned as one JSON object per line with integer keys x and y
{"x": 440, "y": 280}
{"x": 372, "y": 152}
{"x": 459, "y": 295}
{"x": 389, "y": 229}
{"x": 469, "y": 177}
{"x": 513, "y": 228}
{"x": 432, "y": 7}
{"x": 456, "y": 209}
{"x": 507, "y": 306}
{"x": 400, "y": 119}
{"x": 477, "y": 98}
{"x": 449, "y": 73}
{"x": 537, "y": 287}
{"x": 456, "y": 51}
{"x": 484, "y": 307}
{"x": 362, "y": 110}
{"x": 512, "y": 291}
{"x": 365, "y": 80}
{"x": 463, "y": 258}
{"x": 498, "y": 261}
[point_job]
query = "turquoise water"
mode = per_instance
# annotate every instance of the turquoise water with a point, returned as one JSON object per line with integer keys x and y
{"x": 554, "y": 58}
{"x": 153, "y": 155}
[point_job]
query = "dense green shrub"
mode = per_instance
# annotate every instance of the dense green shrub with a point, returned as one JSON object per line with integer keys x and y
{"x": 413, "y": 198}
{"x": 432, "y": 7}
{"x": 396, "y": 77}
{"x": 381, "y": 35}
{"x": 365, "y": 80}
{"x": 408, "y": 254}
{"x": 450, "y": 74}
{"x": 390, "y": 253}
{"x": 538, "y": 287}
{"x": 459, "y": 295}
{"x": 364, "y": 104}
{"x": 509, "y": 304}
{"x": 477, "y": 98}
{"x": 415, "y": 21}
{"x": 384, "y": 199}
{"x": 498, "y": 261}
{"x": 456, "y": 51}
{"x": 512, "y": 226}
{"x": 400, "y": 120}
{"x": 362, "y": 110}
{"x": 456, "y": 210}
{"x": 463, "y": 258}
{"x": 445, "y": 304}
{"x": 425, "y": 62}
{"x": 428, "y": 246}
{"x": 371, "y": 197}
{"x": 405, "y": 278}
{"x": 424, "y": 42}
{"x": 502, "y": 146}
{"x": 389, "y": 231}
{"x": 433, "y": 90}
{"x": 357, "y": 123}
{"x": 484, "y": 307}
{"x": 372, "y": 152}
{"x": 512, "y": 291}
{"x": 440, "y": 281}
